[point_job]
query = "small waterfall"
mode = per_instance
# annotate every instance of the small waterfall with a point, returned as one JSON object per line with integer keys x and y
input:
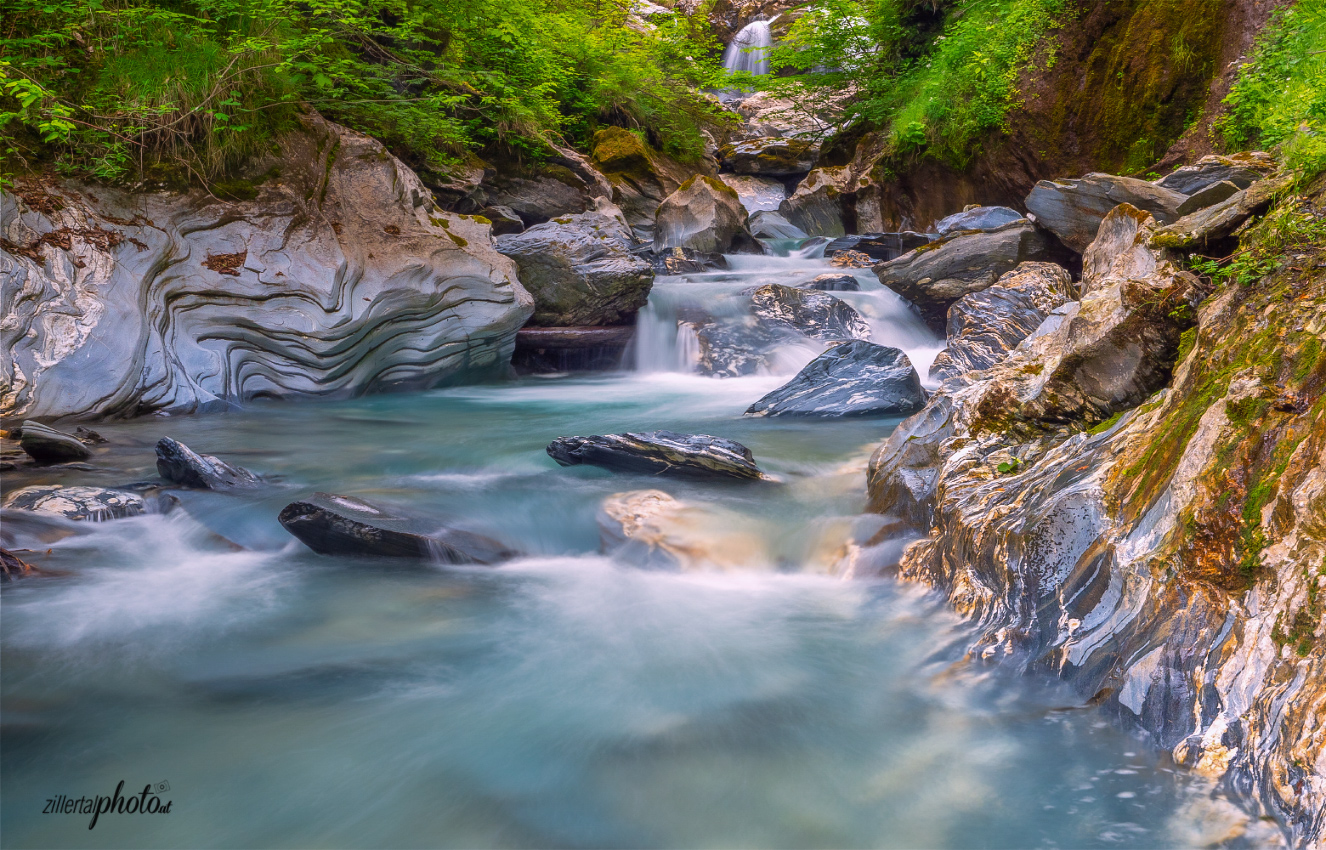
{"x": 749, "y": 50}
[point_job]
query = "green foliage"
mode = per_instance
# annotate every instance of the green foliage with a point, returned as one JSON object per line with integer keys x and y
{"x": 1010, "y": 467}
{"x": 1280, "y": 96}
{"x": 1290, "y": 226}
{"x": 938, "y": 100}
{"x": 113, "y": 88}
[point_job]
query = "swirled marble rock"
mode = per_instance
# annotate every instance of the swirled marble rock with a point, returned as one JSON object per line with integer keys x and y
{"x": 337, "y": 276}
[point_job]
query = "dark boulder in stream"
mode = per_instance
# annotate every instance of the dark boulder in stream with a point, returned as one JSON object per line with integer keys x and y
{"x": 47, "y": 445}
{"x": 660, "y": 453}
{"x": 181, "y": 465}
{"x": 853, "y": 379}
{"x": 339, "y": 525}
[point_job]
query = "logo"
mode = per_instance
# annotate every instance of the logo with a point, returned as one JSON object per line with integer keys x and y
{"x": 148, "y": 802}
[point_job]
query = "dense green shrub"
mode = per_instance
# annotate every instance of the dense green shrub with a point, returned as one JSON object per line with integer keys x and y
{"x": 114, "y": 88}
{"x": 1280, "y": 95}
{"x": 936, "y": 97}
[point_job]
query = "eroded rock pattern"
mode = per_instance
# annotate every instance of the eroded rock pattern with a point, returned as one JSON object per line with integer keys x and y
{"x": 179, "y": 464}
{"x": 95, "y": 504}
{"x": 853, "y": 379}
{"x": 339, "y": 277}
{"x": 660, "y": 453}
{"x": 1170, "y": 564}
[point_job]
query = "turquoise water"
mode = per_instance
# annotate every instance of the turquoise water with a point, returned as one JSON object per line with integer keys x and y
{"x": 566, "y": 699}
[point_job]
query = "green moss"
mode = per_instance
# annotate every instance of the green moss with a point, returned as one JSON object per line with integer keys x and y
{"x": 460, "y": 243}
{"x": 1186, "y": 342}
{"x": 1102, "y": 427}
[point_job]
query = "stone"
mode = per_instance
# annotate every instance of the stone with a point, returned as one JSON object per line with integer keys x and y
{"x": 1221, "y": 220}
{"x": 13, "y": 568}
{"x": 339, "y": 278}
{"x": 985, "y": 326}
{"x": 816, "y": 206}
{"x": 853, "y": 379}
{"x": 769, "y": 157}
{"x": 756, "y": 193}
{"x": 879, "y": 247}
{"x": 640, "y": 176}
{"x": 179, "y": 464}
{"x": 1072, "y": 209}
{"x": 852, "y": 260}
{"x": 704, "y": 214}
{"x": 665, "y": 453}
{"x": 47, "y": 445}
{"x": 580, "y": 270}
{"x": 934, "y": 276}
{"x": 688, "y": 261}
{"x": 652, "y": 529}
{"x": 94, "y": 504}
{"x": 815, "y": 314}
{"x": 343, "y": 526}
{"x": 504, "y": 220}
{"x": 1208, "y": 197}
{"x": 537, "y": 198}
{"x": 835, "y": 283}
{"x": 978, "y": 218}
{"x": 733, "y": 349}
{"x": 575, "y": 349}
{"x": 1242, "y": 170}
{"x": 772, "y": 225}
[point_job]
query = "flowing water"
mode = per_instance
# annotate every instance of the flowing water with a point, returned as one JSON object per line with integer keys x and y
{"x": 749, "y": 50}
{"x": 566, "y": 699}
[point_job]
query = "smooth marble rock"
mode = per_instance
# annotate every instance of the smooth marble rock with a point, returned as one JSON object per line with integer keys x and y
{"x": 179, "y": 464}
{"x": 47, "y": 445}
{"x": 978, "y": 218}
{"x": 853, "y": 379}
{"x": 79, "y": 503}
{"x": 811, "y": 312}
{"x": 664, "y": 453}
{"x": 1072, "y": 209}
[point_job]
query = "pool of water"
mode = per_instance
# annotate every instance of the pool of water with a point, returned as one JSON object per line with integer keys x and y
{"x": 566, "y": 699}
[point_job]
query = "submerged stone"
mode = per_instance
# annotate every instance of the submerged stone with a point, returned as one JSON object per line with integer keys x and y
{"x": 339, "y": 525}
{"x": 47, "y": 445}
{"x": 181, "y": 465}
{"x": 660, "y": 453}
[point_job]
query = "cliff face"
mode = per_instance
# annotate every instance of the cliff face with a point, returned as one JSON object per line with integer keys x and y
{"x": 1169, "y": 563}
{"x": 335, "y": 274}
{"x": 1122, "y": 86}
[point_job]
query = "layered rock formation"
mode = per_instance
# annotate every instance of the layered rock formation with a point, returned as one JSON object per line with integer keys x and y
{"x": 339, "y": 276}
{"x": 1168, "y": 563}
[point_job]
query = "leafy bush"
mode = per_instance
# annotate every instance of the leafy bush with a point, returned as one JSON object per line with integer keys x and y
{"x": 115, "y": 88}
{"x": 1280, "y": 96}
{"x": 937, "y": 97}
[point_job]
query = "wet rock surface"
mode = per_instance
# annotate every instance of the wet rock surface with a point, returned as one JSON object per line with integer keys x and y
{"x": 179, "y": 464}
{"x": 95, "y": 504}
{"x": 811, "y": 312}
{"x": 979, "y": 218}
{"x": 853, "y": 379}
{"x": 936, "y": 275}
{"x": 342, "y": 277}
{"x": 771, "y": 225}
{"x": 769, "y": 157}
{"x": 650, "y": 528}
{"x": 1218, "y": 222}
{"x": 835, "y": 283}
{"x": 47, "y": 445}
{"x": 580, "y": 270}
{"x": 340, "y": 525}
{"x": 703, "y": 215}
{"x": 985, "y": 326}
{"x": 1240, "y": 169}
{"x": 665, "y": 453}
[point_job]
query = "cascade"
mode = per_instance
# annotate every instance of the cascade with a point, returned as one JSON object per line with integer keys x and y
{"x": 749, "y": 50}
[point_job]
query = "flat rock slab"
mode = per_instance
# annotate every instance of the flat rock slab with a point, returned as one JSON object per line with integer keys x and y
{"x": 179, "y": 464}
{"x": 339, "y": 525}
{"x": 94, "y": 504}
{"x": 979, "y": 218}
{"x": 1073, "y": 209}
{"x": 660, "y": 453}
{"x": 853, "y": 379}
{"x": 47, "y": 445}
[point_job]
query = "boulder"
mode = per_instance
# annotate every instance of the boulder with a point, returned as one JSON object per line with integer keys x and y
{"x": 756, "y": 193}
{"x": 903, "y": 473}
{"x": 80, "y": 503}
{"x": 769, "y": 157}
{"x": 1242, "y": 169}
{"x": 978, "y": 218}
{"x": 660, "y": 453}
{"x": 580, "y": 270}
{"x": 536, "y": 198}
{"x": 47, "y": 445}
{"x": 934, "y": 276}
{"x": 815, "y": 314}
{"x": 1221, "y": 220}
{"x": 853, "y": 379}
{"x": 179, "y": 464}
{"x": 816, "y": 206}
{"x": 1207, "y": 197}
{"x": 732, "y": 349}
{"x": 1073, "y": 209}
{"x": 651, "y": 528}
{"x": 984, "y": 326}
{"x": 704, "y": 214}
{"x": 835, "y": 283}
{"x": 503, "y": 219}
{"x": 879, "y": 247}
{"x": 340, "y": 277}
{"x": 772, "y": 225}
{"x": 339, "y": 525}
{"x": 640, "y": 176}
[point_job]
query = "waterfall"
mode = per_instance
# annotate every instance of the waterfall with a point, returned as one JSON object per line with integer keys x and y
{"x": 749, "y": 50}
